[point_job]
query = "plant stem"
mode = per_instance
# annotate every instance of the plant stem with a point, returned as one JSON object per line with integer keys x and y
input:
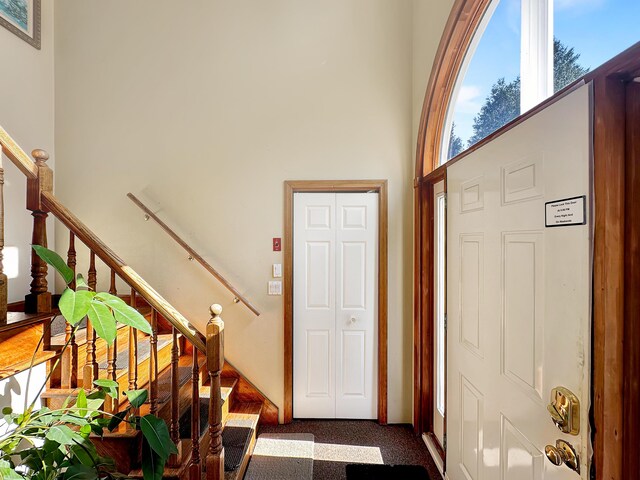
{"x": 33, "y": 359}
{"x": 55, "y": 365}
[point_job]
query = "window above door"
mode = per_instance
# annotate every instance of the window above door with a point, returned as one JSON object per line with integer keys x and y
{"x": 524, "y": 51}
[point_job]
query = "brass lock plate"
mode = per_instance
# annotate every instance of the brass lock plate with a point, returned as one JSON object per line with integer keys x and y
{"x": 565, "y": 410}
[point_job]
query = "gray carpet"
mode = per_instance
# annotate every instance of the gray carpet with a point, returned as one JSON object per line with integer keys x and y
{"x": 342, "y": 442}
{"x": 282, "y": 456}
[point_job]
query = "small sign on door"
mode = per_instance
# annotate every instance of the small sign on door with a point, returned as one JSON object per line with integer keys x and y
{"x": 566, "y": 212}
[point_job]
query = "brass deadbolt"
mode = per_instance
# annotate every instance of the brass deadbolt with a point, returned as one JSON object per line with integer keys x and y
{"x": 565, "y": 410}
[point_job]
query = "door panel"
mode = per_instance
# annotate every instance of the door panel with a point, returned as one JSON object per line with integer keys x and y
{"x": 335, "y": 250}
{"x": 356, "y": 305}
{"x": 518, "y": 297}
{"x": 314, "y": 306}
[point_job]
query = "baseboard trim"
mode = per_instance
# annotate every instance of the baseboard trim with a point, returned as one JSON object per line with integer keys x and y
{"x": 433, "y": 451}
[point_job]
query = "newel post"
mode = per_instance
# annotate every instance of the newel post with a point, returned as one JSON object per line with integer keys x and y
{"x": 39, "y": 300}
{"x": 215, "y": 362}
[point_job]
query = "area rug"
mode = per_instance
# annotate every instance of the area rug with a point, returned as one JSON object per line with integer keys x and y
{"x": 284, "y": 456}
{"x": 363, "y": 471}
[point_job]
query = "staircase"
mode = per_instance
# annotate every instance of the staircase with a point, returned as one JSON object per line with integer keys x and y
{"x": 211, "y": 409}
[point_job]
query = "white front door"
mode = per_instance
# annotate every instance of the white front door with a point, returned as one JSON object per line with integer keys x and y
{"x": 519, "y": 297}
{"x": 335, "y": 318}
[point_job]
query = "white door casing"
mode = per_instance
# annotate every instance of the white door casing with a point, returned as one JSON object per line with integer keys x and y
{"x": 518, "y": 297}
{"x": 335, "y": 333}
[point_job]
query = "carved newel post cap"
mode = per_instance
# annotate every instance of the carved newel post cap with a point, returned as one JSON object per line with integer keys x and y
{"x": 216, "y": 310}
{"x": 40, "y": 155}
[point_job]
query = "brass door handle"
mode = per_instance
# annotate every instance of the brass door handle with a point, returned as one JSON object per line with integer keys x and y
{"x": 565, "y": 410}
{"x": 563, "y": 452}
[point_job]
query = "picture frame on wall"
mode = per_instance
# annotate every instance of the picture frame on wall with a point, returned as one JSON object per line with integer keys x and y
{"x": 22, "y": 17}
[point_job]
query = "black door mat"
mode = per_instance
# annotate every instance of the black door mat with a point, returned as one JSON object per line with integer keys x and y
{"x": 185, "y": 419}
{"x": 365, "y": 471}
{"x": 236, "y": 442}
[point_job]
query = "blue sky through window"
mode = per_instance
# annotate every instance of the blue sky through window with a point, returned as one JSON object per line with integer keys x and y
{"x": 596, "y": 29}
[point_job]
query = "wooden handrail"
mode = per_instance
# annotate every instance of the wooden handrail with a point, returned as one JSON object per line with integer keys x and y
{"x": 19, "y": 158}
{"x": 114, "y": 262}
{"x": 193, "y": 254}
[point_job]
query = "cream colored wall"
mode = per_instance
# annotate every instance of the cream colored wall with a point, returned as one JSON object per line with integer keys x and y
{"x": 429, "y": 19}
{"x": 205, "y": 111}
{"x": 26, "y": 112}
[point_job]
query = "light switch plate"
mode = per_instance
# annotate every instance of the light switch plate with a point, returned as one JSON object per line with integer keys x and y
{"x": 277, "y": 270}
{"x": 275, "y": 287}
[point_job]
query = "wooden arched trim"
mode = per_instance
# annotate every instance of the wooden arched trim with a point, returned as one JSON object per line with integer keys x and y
{"x": 464, "y": 19}
{"x": 458, "y": 33}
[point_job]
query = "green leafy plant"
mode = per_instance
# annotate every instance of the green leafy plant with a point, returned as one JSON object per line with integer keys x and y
{"x": 46, "y": 444}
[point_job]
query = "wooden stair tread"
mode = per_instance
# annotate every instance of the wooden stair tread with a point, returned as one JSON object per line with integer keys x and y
{"x": 123, "y": 352}
{"x": 81, "y": 335}
{"x": 164, "y": 381}
{"x": 41, "y": 356}
{"x": 21, "y": 319}
{"x": 244, "y": 415}
{"x": 226, "y": 388}
{"x": 185, "y": 364}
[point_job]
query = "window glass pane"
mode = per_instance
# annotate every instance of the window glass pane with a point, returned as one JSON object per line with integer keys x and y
{"x": 589, "y": 32}
{"x": 440, "y": 301}
{"x": 488, "y": 92}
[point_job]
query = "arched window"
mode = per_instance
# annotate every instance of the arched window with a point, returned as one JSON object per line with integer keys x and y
{"x": 524, "y": 51}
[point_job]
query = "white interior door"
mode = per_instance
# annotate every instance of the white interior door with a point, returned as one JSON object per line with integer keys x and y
{"x": 518, "y": 297}
{"x": 335, "y": 332}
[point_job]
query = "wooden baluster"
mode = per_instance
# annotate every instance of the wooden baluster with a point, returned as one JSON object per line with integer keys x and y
{"x": 91, "y": 367}
{"x": 3, "y": 278}
{"x": 133, "y": 350}
{"x": 112, "y": 351}
{"x": 153, "y": 364}
{"x": 39, "y": 300}
{"x": 194, "y": 466}
{"x": 174, "y": 426}
{"x": 215, "y": 362}
{"x": 69, "y": 362}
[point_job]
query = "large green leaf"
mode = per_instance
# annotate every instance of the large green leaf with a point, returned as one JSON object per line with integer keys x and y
{"x": 124, "y": 313}
{"x": 75, "y": 305}
{"x": 109, "y": 386}
{"x": 136, "y": 397}
{"x": 117, "y": 419}
{"x": 73, "y": 419}
{"x": 152, "y": 463}
{"x": 102, "y": 321}
{"x": 155, "y": 431}
{"x": 63, "y": 435}
{"x": 53, "y": 259}
{"x": 81, "y": 403}
{"x": 95, "y": 401}
{"x": 8, "y": 473}
{"x": 80, "y": 472}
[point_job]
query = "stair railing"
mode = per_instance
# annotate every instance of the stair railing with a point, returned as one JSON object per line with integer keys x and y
{"x": 238, "y": 297}
{"x": 41, "y": 201}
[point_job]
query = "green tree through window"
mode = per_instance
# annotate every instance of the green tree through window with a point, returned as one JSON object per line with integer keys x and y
{"x": 503, "y": 102}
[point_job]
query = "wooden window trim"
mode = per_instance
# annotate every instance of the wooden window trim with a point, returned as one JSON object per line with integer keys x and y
{"x": 346, "y": 186}
{"x": 612, "y": 395}
{"x": 424, "y": 359}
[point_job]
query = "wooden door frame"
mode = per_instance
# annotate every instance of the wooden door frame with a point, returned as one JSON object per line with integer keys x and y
{"x": 336, "y": 186}
{"x": 424, "y": 359}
